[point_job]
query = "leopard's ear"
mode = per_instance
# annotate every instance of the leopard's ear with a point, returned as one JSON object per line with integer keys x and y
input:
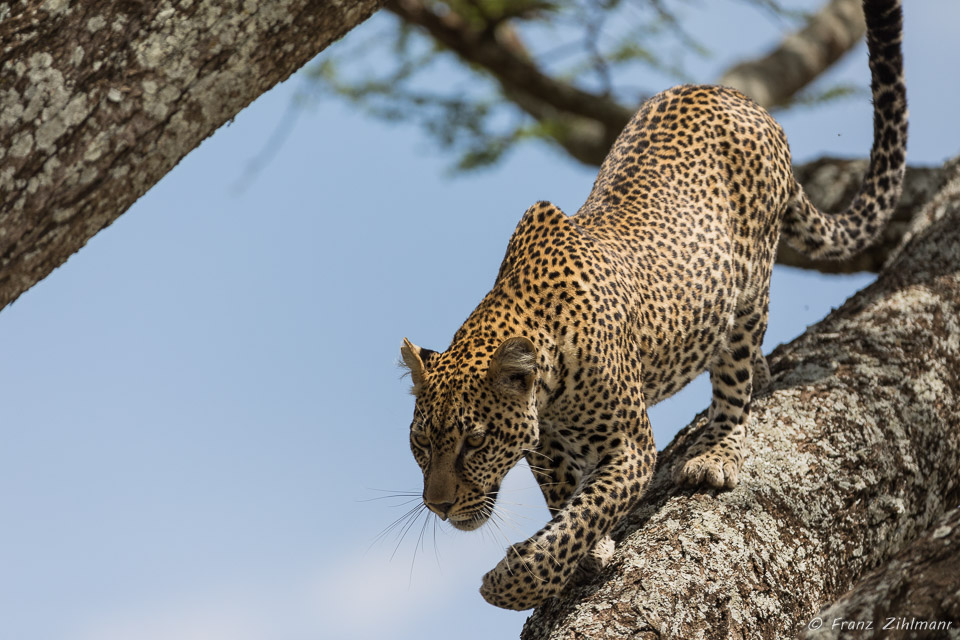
{"x": 513, "y": 367}
{"x": 413, "y": 357}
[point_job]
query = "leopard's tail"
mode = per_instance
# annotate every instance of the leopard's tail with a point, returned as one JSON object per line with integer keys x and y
{"x": 837, "y": 236}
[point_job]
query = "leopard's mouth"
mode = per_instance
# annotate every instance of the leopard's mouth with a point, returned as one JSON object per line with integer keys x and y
{"x": 475, "y": 518}
{"x": 469, "y": 521}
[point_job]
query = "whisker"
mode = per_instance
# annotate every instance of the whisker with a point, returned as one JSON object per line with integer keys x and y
{"x": 408, "y": 500}
{"x": 493, "y": 521}
{"x": 436, "y": 549}
{"x": 398, "y": 522}
{"x": 534, "y": 452}
{"x": 497, "y": 518}
{"x": 501, "y": 501}
{"x": 418, "y": 412}
{"x": 407, "y": 528}
{"x": 507, "y": 515}
{"x": 420, "y": 545}
{"x": 535, "y": 468}
{"x": 402, "y": 493}
{"x": 539, "y": 471}
{"x": 515, "y": 514}
{"x": 537, "y": 486}
{"x": 391, "y": 494}
{"x": 540, "y": 547}
{"x": 527, "y": 462}
{"x": 543, "y": 477}
{"x": 505, "y": 521}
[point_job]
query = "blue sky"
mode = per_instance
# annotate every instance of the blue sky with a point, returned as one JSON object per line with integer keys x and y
{"x": 201, "y": 404}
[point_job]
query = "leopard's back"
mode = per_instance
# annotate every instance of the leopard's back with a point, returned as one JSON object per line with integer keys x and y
{"x": 691, "y": 197}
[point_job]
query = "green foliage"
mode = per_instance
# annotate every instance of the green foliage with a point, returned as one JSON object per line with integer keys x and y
{"x": 469, "y": 119}
{"x": 599, "y": 46}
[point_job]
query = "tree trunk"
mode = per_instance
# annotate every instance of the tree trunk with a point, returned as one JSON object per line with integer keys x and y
{"x": 917, "y": 594}
{"x": 853, "y": 452}
{"x": 832, "y": 183}
{"x": 99, "y": 99}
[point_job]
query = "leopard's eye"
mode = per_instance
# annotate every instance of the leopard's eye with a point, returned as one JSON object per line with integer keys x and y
{"x": 420, "y": 440}
{"x": 476, "y": 440}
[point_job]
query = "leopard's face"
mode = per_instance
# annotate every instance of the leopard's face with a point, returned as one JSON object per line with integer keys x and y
{"x": 469, "y": 429}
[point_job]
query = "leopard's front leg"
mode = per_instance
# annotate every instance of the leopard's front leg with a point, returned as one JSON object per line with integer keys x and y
{"x": 558, "y": 470}
{"x": 541, "y": 566}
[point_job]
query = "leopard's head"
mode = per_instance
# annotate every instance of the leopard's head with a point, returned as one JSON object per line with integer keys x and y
{"x": 475, "y": 415}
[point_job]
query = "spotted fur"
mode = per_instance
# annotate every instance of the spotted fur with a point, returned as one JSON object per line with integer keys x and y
{"x": 663, "y": 273}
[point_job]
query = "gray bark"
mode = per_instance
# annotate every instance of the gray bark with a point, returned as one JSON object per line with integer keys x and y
{"x": 831, "y": 184}
{"x": 99, "y": 99}
{"x": 853, "y": 451}
{"x": 774, "y": 79}
{"x": 916, "y": 595}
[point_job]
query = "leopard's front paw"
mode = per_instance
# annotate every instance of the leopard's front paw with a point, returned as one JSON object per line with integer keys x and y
{"x": 523, "y": 579}
{"x": 598, "y": 558}
{"x": 719, "y": 469}
{"x": 761, "y": 373}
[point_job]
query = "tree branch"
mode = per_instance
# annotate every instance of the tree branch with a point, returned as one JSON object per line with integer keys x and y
{"x": 802, "y": 56}
{"x": 585, "y": 124}
{"x": 853, "y": 451}
{"x": 101, "y": 99}
{"x": 919, "y": 590}
{"x": 516, "y": 73}
{"x": 497, "y": 50}
{"x": 832, "y": 183}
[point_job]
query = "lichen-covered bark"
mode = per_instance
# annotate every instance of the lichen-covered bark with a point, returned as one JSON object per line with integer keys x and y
{"x": 99, "y": 99}
{"x": 853, "y": 451}
{"x": 832, "y": 183}
{"x": 915, "y": 595}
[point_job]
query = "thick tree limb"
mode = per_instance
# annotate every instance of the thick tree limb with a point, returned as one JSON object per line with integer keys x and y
{"x": 917, "y": 594}
{"x": 802, "y": 56}
{"x": 831, "y": 184}
{"x": 853, "y": 452}
{"x": 100, "y": 99}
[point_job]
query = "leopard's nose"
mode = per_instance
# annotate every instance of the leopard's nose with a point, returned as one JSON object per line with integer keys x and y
{"x": 439, "y": 508}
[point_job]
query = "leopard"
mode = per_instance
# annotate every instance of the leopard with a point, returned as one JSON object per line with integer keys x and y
{"x": 663, "y": 273}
